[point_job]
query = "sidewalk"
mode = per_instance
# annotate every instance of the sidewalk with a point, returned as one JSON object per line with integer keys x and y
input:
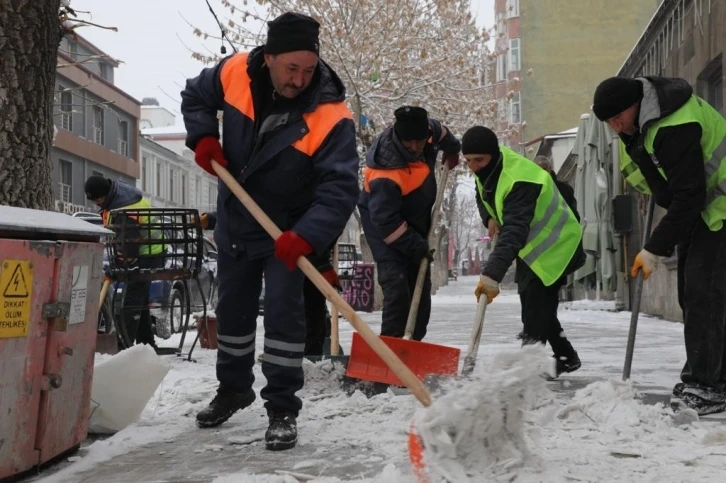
{"x": 349, "y": 438}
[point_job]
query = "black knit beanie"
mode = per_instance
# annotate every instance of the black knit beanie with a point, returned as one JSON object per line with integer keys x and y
{"x": 97, "y": 187}
{"x": 480, "y": 140}
{"x": 614, "y": 95}
{"x": 412, "y": 123}
{"x": 292, "y": 32}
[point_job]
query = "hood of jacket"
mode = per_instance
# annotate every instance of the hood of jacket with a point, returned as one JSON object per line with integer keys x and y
{"x": 662, "y": 96}
{"x": 121, "y": 195}
{"x": 387, "y": 152}
{"x": 326, "y": 87}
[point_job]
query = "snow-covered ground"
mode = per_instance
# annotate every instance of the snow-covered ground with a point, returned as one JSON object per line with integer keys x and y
{"x": 587, "y": 426}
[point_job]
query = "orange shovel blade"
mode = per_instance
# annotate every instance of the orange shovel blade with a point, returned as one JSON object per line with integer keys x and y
{"x": 421, "y": 357}
{"x": 416, "y": 455}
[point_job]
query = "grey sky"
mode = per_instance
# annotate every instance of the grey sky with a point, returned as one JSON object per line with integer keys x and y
{"x": 153, "y": 41}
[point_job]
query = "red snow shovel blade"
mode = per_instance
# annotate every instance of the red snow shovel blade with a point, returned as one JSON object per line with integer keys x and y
{"x": 421, "y": 357}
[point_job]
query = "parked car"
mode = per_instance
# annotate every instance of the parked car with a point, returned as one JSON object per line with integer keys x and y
{"x": 167, "y": 301}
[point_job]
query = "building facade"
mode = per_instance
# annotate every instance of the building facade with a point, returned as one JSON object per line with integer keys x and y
{"x": 96, "y": 122}
{"x": 503, "y": 74}
{"x": 686, "y": 38}
{"x": 169, "y": 176}
{"x": 550, "y": 56}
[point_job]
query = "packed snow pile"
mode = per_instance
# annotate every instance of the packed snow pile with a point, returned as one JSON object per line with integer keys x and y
{"x": 613, "y": 407}
{"x": 476, "y": 430}
{"x": 322, "y": 377}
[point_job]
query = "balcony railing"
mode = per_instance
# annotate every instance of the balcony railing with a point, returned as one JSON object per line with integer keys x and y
{"x": 123, "y": 147}
{"x": 98, "y": 135}
{"x": 67, "y": 121}
{"x": 64, "y": 192}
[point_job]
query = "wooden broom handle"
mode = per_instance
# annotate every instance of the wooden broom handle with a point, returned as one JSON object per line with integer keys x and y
{"x": 408, "y": 378}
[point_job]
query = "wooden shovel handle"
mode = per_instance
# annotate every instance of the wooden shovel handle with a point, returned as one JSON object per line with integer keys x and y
{"x": 104, "y": 291}
{"x": 408, "y": 378}
{"x": 334, "y": 336}
{"x": 424, "y": 265}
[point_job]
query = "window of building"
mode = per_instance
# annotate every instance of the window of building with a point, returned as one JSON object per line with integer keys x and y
{"x": 710, "y": 84}
{"x": 158, "y": 179}
{"x": 103, "y": 69}
{"x": 514, "y": 64}
{"x": 512, "y": 8}
{"x": 198, "y": 191}
{"x": 65, "y": 184}
{"x": 66, "y": 108}
{"x": 172, "y": 193}
{"x": 184, "y": 189}
{"x": 515, "y": 114}
{"x": 212, "y": 195}
{"x": 144, "y": 173}
{"x": 502, "y": 110}
{"x": 715, "y": 92}
{"x": 123, "y": 138}
{"x": 502, "y": 67}
{"x": 97, "y": 173}
{"x": 98, "y": 124}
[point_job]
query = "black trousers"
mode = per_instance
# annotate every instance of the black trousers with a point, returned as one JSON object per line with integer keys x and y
{"x": 240, "y": 285}
{"x": 539, "y": 315}
{"x": 398, "y": 280}
{"x": 136, "y": 314}
{"x": 316, "y": 319}
{"x": 702, "y": 296}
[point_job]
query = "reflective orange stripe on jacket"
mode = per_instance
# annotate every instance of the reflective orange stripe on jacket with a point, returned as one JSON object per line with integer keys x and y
{"x": 320, "y": 122}
{"x": 237, "y": 93}
{"x": 236, "y": 84}
{"x": 407, "y": 179}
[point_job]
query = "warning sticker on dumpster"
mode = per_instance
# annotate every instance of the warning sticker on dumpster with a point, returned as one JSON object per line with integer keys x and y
{"x": 79, "y": 292}
{"x": 16, "y": 290}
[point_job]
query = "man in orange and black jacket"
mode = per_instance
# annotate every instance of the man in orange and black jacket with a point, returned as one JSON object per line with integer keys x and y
{"x": 290, "y": 142}
{"x": 395, "y": 207}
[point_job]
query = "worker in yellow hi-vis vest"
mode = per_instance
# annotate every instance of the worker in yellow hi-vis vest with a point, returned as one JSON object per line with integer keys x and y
{"x": 538, "y": 229}
{"x": 110, "y": 195}
{"x": 673, "y": 146}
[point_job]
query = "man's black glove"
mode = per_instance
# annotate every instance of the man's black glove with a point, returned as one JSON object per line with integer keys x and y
{"x": 424, "y": 251}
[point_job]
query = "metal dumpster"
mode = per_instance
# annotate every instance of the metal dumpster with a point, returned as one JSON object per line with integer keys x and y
{"x": 50, "y": 281}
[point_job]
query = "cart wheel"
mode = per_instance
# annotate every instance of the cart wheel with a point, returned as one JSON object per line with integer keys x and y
{"x": 176, "y": 310}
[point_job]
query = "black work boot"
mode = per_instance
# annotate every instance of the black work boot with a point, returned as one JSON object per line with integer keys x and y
{"x": 570, "y": 364}
{"x": 282, "y": 432}
{"x": 223, "y": 406}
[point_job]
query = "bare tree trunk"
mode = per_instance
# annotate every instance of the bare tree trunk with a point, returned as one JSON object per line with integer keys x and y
{"x": 29, "y": 37}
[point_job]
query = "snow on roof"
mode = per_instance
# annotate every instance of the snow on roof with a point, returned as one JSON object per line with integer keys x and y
{"x": 164, "y": 130}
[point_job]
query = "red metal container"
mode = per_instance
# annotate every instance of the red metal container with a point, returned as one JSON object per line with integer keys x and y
{"x": 207, "y": 328}
{"x": 50, "y": 280}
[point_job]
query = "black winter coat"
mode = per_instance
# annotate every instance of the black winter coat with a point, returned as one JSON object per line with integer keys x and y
{"x": 399, "y": 192}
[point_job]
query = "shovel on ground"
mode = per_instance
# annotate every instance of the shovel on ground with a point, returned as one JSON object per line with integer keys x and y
{"x": 331, "y": 345}
{"x": 635, "y": 309}
{"x": 473, "y": 350}
{"x": 423, "y": 358}
{"x": 409, "y": 379}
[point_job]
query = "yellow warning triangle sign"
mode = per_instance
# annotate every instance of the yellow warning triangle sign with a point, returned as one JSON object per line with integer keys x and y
{"x": 16, "y": 286}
